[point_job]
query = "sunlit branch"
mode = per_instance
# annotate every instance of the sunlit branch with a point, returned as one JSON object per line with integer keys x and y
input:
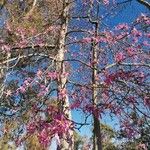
{"x": 145, "y": 3}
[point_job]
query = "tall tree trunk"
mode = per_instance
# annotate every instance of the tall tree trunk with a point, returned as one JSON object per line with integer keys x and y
{"x": 97, "y": 140}
{"x": 60, "y": 67}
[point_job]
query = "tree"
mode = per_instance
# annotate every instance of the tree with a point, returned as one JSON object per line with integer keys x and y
{"x": 117, "y": 46}
{"x": 108, "y": 135}
{"x": 29, "y": 40}
{"x": 139, "y": 142}
{"x": 49, "y": 54}
{"x": 115, "y": 49}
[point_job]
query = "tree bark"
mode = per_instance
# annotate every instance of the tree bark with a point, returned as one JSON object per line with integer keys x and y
{"x": 145, "y": 3}
{"x": 60, "y": 67}
{"x": 97, "y": 140}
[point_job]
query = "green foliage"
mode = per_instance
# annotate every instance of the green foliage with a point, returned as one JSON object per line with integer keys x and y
{"x": 78, "y": 140}
{"x": 32, "y": 143}
{"x": 107, "y": 136}
{"x": 107, "y": 131}
{"x": 6, "y": 140}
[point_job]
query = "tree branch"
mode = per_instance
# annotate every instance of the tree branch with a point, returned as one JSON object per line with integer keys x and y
{"x": 145, "y": 3}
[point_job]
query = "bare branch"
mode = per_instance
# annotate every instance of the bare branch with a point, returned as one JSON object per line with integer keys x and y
{"x": 145, "y": 3}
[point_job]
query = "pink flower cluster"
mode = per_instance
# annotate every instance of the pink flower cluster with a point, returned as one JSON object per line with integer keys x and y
{"x": 130, "y": 51}
{"x": 24, "y": 86}
{"x": 53, "y": 75}
{"x": 6, "y": 48}
{"x": 141, "y": 147}
{"x": 58, "y": 125}
{"x": 120, "y": 74}
{"x": 143, "y": 19}
{"x": 122, "y": 26}
{"x": 43, "y": 90}
{"x": 31, "y": 127}
{"x": 120, "y": 56}
{"x": 147, "y": 101}
{"x": 62, "y": 93}
{"x": 93, "y": 110}
{"x": 106, "y": 2}
{"x": 44, "y": 137}
{"x": 136, "y": 33}
{"x": 128, "y": 129}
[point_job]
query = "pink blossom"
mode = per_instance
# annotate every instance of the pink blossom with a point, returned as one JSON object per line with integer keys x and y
{"x": 39, "y": 73}
{"x": 43, "y": 90}
{"x": 31, "y": 127}
{"x": 8, "y": 93}
{"x": 89, "y": 108}
{"x": 147, "y": 35}
{"x": 95, "y": 39}
{"x": 64, "y": 75}
{"x": 58, "y": 126}
{"x": 21, "y": 31}
{"x": 128, "y": 129}
{"x": 119, "y": 57}
{"x": 102, "y": 39}
{"x": 109, "y": 37}
{"x": 113, "y": 76}
{"x": 86, "y": 40}
{"x": 110, "y": 79}
{"x": 136, "y": 33}
{"x": 105, "y": 96}
{"x": 141, "y": 147}
{"x": 44, "y": 138}
{"x": 26, "y": 83}
{"x": 6, "y": 48}
{"x": 52, "y": 75}
{"x": 130, "y": 51}
{"x": 21, "y": 89}
{"x": 122, "y": 26}
{"x": 145, "y": 43}
{"x": 8, "y": 27}
{"x": 1, "y": 41}
{"x": 131, "y": 99}
{"x": 40, "y": 42}
{"x": 62, "y": 93}
{"x": 121, "y": 35}
{"x": 147, "y": 101}
{"x": 75, "y": 105}
{"x": 145, "y": 18}
{"x": 23, "y": 43}
{"x": 106, "y": 2}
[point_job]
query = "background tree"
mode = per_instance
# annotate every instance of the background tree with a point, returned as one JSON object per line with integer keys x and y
{"x": 108, "y": 135}
{"x": 139, "y": 142}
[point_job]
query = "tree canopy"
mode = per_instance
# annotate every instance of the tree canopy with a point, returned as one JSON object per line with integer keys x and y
{"x": 60, "y": 57}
